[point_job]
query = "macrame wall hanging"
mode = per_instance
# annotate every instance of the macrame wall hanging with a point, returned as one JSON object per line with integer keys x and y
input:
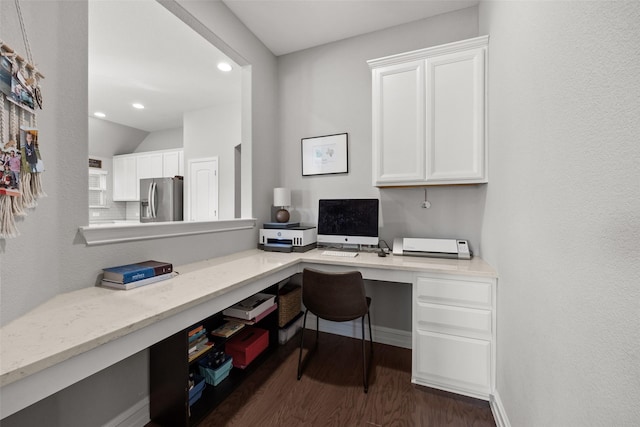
{"x": 21, "y": 165}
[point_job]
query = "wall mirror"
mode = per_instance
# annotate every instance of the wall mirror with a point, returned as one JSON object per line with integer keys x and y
{"x": 189, "y": 120}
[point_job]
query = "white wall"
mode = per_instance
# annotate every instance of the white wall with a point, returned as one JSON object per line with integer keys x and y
{"x": 62, "y": 262}
{"x": 50, "y": 257}
{"x": 161, "y": 140}
{"x": 562, "y": 217}
{"x": 214, "y": 132}
{"x": 260, "y": 71}
{"x": 107, "y": 139}
{"x": 327, "y": 90}
{"x": 559, "y": 218}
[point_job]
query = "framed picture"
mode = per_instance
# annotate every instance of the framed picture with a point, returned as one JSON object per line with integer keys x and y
{"x": 323, "y": 155}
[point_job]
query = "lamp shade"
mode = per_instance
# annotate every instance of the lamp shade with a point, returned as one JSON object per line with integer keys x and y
{"x": 281, "y": 197}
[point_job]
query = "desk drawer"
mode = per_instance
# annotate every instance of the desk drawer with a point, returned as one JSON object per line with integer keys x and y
{"x": 453, "y": 292}
{"x": 470, "y": 322}
{"x": 461, "y": 363}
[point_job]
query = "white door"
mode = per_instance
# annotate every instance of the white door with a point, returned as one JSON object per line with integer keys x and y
{"x": 203, "y": 189}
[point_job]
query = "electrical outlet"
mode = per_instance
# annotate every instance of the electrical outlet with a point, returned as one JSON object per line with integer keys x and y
{"x": 426, "y": 204}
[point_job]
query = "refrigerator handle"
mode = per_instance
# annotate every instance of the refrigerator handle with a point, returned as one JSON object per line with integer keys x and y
{"x": 148, "y": 213}
{"x": 152, "y": 199}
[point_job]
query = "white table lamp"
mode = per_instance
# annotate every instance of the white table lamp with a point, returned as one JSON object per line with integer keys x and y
{"x": 282, "y": 198}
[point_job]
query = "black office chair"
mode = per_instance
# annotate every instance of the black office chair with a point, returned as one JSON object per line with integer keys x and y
{"x": 338, "y": 297}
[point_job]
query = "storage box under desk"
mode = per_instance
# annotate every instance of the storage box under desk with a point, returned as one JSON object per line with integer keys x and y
{"x": 246, "y": 345}
{"x": 289, "y": 301}
{"x": 196, "y": 391}
{"x": 215, "y": 374}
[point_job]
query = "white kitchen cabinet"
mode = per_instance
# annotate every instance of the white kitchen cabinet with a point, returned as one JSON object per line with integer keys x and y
{"x": 429, "y": 121}
{"x": 453, "y": 334}
{"x": 172, "y": 163}
{"x": 129, "y": 169}
{"x": 149, "y": 165}
{"x": 125, "y": 178}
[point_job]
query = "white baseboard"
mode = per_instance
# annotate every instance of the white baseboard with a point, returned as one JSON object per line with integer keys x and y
{"x": 135, "y": 416}
{"x": 394, "y": 337}
{"x": 499, "y": 414}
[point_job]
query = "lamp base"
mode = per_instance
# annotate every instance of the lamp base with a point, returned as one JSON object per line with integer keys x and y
{"x": 282, "y": 215}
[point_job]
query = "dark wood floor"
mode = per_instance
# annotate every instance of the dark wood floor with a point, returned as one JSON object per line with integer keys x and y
{"x": 330, "y": 392}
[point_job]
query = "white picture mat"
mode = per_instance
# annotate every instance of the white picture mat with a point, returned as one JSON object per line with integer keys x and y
{"x": 324, "y": 155}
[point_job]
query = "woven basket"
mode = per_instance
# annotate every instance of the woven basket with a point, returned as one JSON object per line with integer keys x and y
{"x": 289, "y": 303}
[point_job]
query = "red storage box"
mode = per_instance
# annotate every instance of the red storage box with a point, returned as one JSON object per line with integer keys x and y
{"x": 246, "y": 345}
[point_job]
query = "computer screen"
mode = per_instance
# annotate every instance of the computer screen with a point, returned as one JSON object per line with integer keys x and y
{"x": 348, "y": 221}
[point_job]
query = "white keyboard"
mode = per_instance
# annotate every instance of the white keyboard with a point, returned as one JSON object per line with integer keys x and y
{"x": 339, "y": 253}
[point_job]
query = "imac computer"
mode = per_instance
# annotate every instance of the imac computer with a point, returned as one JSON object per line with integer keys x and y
{"x": 348, "y": 222}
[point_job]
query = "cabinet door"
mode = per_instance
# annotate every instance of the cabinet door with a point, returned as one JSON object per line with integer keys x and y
{"x": 125, "y": 180}
{"x": 455, "y": 136}
{"x": 149, "y": 166}
{"x": 172, "y": 163}
{"x": 453, "y": 363}
{"x": 398, "y": 124}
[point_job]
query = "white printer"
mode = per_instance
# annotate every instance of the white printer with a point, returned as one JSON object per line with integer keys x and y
{"x": 436, "y": 248}
{"x": 287, "y": 237}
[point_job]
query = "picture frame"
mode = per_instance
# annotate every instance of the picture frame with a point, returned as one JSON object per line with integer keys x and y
{"x": 324, "y": 155}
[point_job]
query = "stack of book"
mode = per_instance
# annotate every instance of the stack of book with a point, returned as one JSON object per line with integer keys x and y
{"x": 131, "y": 276}
{"x": 252, "y": 309}
{"x": 198, "y": 342}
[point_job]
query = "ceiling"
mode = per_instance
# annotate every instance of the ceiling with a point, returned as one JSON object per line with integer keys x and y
{"x": 286, "y": 26}
{"x": 140, "y": 52}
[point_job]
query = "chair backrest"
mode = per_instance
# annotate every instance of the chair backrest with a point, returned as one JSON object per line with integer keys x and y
{"x": 334, "y": 296}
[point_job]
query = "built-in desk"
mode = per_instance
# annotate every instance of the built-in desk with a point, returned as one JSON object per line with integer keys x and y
{"x": 77, "y": 334}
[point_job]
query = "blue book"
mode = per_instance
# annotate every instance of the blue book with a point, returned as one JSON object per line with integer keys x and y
{"x": 128, "y": 273}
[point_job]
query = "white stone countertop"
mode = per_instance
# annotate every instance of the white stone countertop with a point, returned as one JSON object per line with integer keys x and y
{"x": 76, "y": 322}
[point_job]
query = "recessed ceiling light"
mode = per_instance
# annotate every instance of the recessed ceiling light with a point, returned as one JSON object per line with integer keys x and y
{"x": 223, "y": 66}
{"x": 100, "y": 114}
{"x": 138, "y": 106}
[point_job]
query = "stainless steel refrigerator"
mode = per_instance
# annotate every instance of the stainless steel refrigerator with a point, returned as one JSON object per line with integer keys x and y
{"x": 161, "y": 199}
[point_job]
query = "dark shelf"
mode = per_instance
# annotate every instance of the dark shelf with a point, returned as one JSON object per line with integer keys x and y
{"x": 170, "y": 367}
{"x": 214, "y": 396}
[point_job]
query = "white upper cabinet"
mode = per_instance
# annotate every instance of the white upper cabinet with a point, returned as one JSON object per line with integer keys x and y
{"x": 129, "y": 169}
{"x": 149, "y": 165}
{"x": 172, "y": 163}
{"x": 399, "y": 122}
{"x": 429, "y": 122}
